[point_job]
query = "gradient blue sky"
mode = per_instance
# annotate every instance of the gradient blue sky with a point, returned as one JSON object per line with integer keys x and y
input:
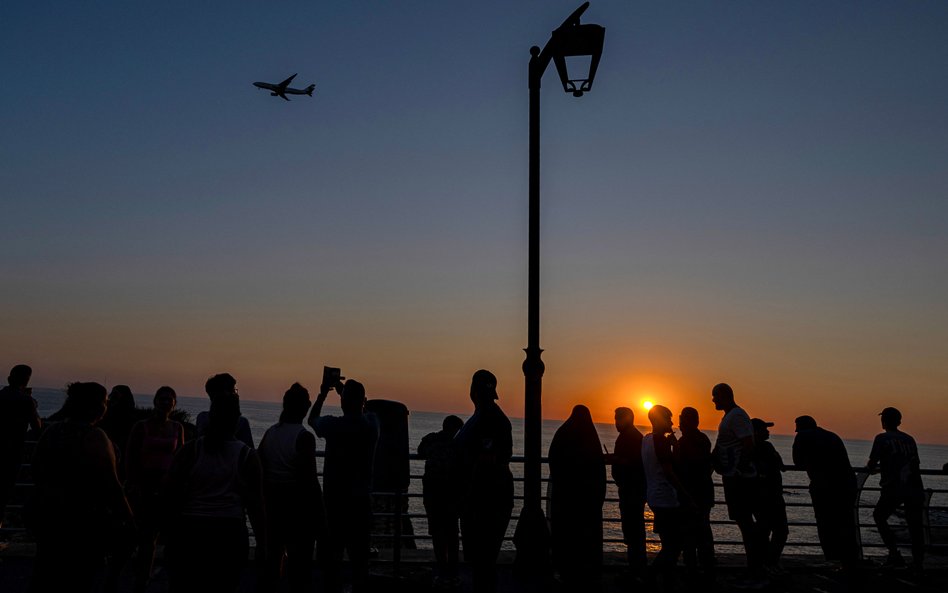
{"x": 752, "y": 192}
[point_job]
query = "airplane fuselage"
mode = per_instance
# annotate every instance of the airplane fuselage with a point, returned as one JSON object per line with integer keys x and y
{"x": 282, "y": 89}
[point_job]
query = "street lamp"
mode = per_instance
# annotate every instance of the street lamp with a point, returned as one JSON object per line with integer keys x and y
{"x": 571, "y": 39}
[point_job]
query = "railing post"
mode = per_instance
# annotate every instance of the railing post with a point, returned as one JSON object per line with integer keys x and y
{"x": 397, "y": 547}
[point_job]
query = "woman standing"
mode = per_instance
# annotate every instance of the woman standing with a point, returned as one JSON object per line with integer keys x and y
{"x": 78, "y": 500}
{"x": 214, "y": 482}
{"x": 294, "y": 500}
{"x": 149, "y": 454}
{"x": 577, "y": 492}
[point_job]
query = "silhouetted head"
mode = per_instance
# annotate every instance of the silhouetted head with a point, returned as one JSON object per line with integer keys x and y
{"x": 451, "y": 425}
{"x": 581, "y": 413}
{"x": 222, "y": 418}
{"x": 723, "y": 397}
{"x": 483, "y": 387}
{"x": 760, "y": 429}
{"x": 20, "y": 376}
{"x": 85, "y": 402}
{"x": 121, "y": 400}
{"x": 625, "y": 419}
{"x": 165, "y": 401}
{"x": 220, "y": 384}
{"x": 891, "y": 418}
{"x": 804, "y": 423}
{"x": 353, "y": 397}
{"x": 661, "y": 419}
{"x": 295, "y": 404}
{"x": 688, "y": 419}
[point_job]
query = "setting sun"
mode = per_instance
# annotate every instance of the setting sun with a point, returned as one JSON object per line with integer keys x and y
{"x": 647, "y": 405}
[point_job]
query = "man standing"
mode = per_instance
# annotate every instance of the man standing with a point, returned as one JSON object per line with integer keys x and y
{"x": 823, "y": 456}
{"x": 17, "y": 413}
{"x": 629, "y": 476}
{"x": 440, "y": 496}
{"x": 901, "y": 484}
{"x": 665, "y": 493}
{"x": 693, "y": 465}
{"x": 485, "y": 446}
{"x": 347, "y": 480}
{"x": 733, "y": 459}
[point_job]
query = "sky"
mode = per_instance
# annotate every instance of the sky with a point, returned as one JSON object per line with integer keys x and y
{"x": 752, "y": 192}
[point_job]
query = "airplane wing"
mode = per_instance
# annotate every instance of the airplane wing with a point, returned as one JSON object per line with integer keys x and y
{"x": 285, "y": 98}
{"x": 286, "y": 82}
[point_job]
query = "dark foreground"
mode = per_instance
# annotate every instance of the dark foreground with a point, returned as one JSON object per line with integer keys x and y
{"x": 802, "y": 573}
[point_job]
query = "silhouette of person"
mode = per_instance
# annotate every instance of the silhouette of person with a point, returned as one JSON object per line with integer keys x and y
{"x": 77, "y": 499}
{"x": 896, "y": 453}
{"x": 577, "y": 493}
{"x": 294, "y": 499}
{"x": 214, "y": 484}
{"x": 665, "y": 493}
{"x": 347, "y": 481}
{"x": 17, "y": 414}
{"x": 117, "y": 423}
{"x": 693, "y": 466}
{"x": 629, "y": 476}
{"x": 152, "y": 445}
{"x": 733, "y": 460}
{"x": 485, "y": 446}
{"x": 441, "y": 497}
{"x": 771, "y": 508}
{"x": 823, "y": 456}
{"x": 223, "y": 384}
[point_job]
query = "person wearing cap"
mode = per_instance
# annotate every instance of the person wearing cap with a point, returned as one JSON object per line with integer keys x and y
{"x": 771, "y": 509}
{"x": 896, "y": 455}
{"x": 485, "y": 446}
{"x": 732, "y": 457}
{"x": 693, "y": 466}
{"x": 822, "y": 455}
{"x": 347, "y": 481}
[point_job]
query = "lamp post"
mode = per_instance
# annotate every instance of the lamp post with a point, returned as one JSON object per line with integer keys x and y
{"x": 568, "y": 40}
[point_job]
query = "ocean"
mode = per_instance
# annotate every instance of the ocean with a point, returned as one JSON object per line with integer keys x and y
{"x": 261, "y": 415}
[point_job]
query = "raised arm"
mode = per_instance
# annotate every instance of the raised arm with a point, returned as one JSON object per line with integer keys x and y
{"x": 317, "y": 409}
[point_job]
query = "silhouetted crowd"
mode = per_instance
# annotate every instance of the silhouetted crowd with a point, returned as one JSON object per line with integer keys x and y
{"x": 109, "y": 484}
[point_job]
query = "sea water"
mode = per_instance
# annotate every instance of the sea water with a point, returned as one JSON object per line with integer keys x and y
{"x": 262, "y": 415}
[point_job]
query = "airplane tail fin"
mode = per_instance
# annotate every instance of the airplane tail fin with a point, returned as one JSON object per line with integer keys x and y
{"x": 310, "y": 89}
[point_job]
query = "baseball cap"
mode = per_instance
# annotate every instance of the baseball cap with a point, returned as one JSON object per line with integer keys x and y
{"x": 485, "y": 382}
{"x": 760, "y": 424}
{"x": 891, "y": 413}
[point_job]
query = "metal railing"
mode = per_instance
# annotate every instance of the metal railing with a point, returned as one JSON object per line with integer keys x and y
{"x": 401, "y": 512}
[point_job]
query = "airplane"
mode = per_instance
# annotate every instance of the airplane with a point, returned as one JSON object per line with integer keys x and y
{"x": 283, "y": 89}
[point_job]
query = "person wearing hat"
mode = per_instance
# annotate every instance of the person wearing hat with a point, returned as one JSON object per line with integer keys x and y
{"x": 772, "y": 511}
{"x": 485, "y": 446}
{"x": 822, "y": 455}
{"x": 895, "y": 454}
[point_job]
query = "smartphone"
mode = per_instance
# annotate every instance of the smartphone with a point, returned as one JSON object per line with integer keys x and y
{"x": 331, "y": 376}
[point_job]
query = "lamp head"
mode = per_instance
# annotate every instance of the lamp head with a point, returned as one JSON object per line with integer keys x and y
{"x": 572, "y": 39}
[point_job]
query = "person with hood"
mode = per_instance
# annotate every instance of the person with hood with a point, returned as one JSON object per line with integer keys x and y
{"x": 576, "y": 493}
